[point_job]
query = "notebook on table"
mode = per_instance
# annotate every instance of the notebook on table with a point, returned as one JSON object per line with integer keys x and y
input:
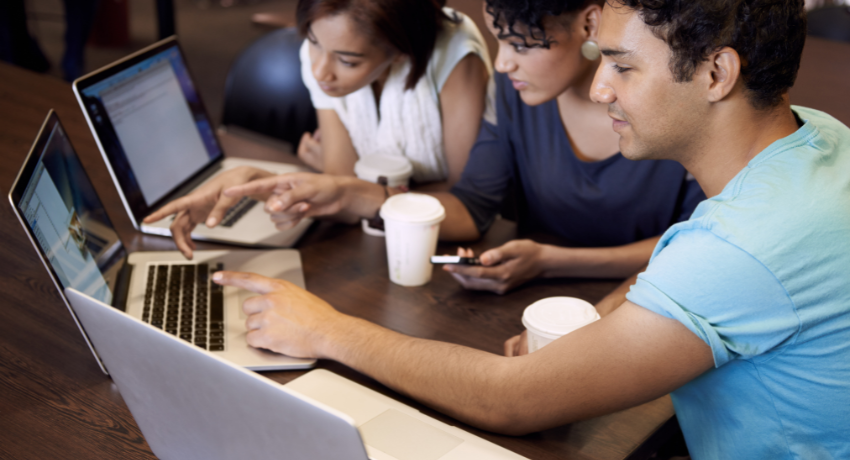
{"x": 65, "y": 220}
{"x": 190, "y": 404}
{"x": 159, "y": 144}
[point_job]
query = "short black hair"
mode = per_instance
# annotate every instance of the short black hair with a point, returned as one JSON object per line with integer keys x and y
{"x": 768, "y": 35}
{"x": 530, "y": 13}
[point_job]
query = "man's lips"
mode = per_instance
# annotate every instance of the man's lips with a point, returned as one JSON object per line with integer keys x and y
{"x": 617, "y": 124}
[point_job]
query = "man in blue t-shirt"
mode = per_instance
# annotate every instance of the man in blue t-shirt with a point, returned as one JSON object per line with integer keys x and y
{"x": 744, "y": 311}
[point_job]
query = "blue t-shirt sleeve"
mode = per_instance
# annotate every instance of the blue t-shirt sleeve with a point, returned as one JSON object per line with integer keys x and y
{"x": 720, "y": 292}
{"x": 486, "y": 177}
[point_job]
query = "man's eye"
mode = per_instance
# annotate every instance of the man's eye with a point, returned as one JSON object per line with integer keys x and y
{"x": 620, "y": 69}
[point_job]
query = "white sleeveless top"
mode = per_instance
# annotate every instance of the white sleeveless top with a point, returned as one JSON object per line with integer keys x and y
{"x": 410, "y": 123}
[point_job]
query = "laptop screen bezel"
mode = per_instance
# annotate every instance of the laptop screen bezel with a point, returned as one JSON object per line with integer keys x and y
{"x": 16, "y": 193}
{"x": 131, "y": 196}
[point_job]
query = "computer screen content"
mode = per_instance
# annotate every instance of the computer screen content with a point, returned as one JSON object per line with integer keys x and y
{"x": 150, "y": 117}
{"x": 69, "y": 223}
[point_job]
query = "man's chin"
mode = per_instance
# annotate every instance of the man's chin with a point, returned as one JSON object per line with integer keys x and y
{"x": 633, "y": 152}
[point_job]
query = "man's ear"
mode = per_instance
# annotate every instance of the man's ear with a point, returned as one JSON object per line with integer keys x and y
{"x": 721, "y": 72}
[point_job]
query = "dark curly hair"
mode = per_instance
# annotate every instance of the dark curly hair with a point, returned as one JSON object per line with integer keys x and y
{"x": 409, "y": 26}
{"x": 507, "y": 14}
{"x": 767, "y": 34}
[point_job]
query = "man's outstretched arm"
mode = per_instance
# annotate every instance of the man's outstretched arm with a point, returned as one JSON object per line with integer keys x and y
{"x": 627, "y": 358}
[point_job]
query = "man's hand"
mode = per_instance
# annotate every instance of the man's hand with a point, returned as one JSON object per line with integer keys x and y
{"x": 284, "y": 318}
{"x": 205, "y": 204}
{"x": 293, "y": 197}
{"x": 310, "y": 150}
{"x": 502, "y": 268}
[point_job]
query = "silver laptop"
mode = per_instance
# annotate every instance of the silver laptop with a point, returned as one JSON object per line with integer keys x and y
{"x": 72, "y": 234}
{"x": 159, "y": 144}
{"x": 189, "y": 404}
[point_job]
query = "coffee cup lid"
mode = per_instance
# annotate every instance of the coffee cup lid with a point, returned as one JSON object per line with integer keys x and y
{"x": 413, "y": 208}
{"x": 376, "y": 165}
{"x": 555, "y": 316}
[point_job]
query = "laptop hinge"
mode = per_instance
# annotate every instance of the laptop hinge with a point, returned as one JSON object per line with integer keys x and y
{"x": 122, "y": 287}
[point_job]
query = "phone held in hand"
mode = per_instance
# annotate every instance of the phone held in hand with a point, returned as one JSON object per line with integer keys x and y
{"x": 455, "y": 260}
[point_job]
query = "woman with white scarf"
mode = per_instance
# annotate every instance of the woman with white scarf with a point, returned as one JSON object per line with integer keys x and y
{"x": 397, "y": 77}
{"x": 392, "y": 77}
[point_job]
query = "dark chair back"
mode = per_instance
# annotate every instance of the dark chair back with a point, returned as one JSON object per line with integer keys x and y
{"x": 832, "y": 22}
{"x": 264, "y": 92}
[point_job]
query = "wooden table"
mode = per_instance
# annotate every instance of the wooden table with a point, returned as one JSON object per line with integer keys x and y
{"x": 55, "y": 402}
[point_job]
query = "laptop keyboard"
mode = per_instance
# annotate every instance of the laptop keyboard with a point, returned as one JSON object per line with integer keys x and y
{"x": 237, "y": 211}
{"x": 181, "y": 300}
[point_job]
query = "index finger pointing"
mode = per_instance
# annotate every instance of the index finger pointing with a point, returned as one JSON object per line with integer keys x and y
{"x": 266, "y": 185}
{"x": 181, "y": 204}
{"x": 249, "y": 281}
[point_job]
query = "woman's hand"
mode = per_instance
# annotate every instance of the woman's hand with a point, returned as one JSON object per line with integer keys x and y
{"x": 205, "y": 204}
{"x": 293, "y": 197}
{"x": 501, "y": 269}
{"x": 517, "y": 345}
{"x": 310, "y": 150}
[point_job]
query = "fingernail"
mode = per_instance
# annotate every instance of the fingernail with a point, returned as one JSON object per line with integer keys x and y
{"x": 211, "y": 222}
{"x": 304, "y": 207}
{"x": 217, "y": 276}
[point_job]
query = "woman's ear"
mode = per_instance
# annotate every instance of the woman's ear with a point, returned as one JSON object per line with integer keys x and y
{"x": 398, "y": 57}
{"x": 589, "y": 19}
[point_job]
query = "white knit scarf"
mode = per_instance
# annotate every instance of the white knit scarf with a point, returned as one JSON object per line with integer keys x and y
{"x": 409, "y": 123}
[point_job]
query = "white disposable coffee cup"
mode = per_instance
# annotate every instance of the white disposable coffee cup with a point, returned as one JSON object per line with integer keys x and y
{"x": 412, "y": 224}
{"x": 548, "y": 319}
{"x": 389, "y": 170}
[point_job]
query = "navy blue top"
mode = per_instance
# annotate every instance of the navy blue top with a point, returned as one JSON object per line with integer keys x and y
{"x": 594, "y": 204}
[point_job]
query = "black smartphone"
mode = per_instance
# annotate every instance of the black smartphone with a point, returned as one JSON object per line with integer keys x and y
{"x": 455, "y": 260}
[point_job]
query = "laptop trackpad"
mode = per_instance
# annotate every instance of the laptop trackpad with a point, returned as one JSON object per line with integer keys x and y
{"x": 406, "y": 438}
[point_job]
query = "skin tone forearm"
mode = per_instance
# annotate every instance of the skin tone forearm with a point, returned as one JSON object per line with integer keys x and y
{"x": 296, "y": 196}
{"x": 507, "y": 394}
{"x": 518, "y": 261}
{"x": 462, "y": 101}
{"x": 611, "y": 262}
{"x": 629, "y": 357}
{"x": 457, "y": 226}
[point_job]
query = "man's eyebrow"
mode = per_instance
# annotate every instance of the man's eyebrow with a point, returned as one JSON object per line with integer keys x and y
{"x": 349, "y": 53}
{"x": 617, "y": 52}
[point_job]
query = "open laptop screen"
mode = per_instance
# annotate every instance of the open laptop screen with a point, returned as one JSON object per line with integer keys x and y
{"x": 150, "y": 123}
{"x": 65, "y": 218}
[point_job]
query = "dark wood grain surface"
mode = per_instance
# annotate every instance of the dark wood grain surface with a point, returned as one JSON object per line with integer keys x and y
{"x": 55, "y": 402}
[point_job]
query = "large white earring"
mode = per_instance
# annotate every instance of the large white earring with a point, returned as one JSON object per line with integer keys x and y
{"x": 590, "y": 50}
